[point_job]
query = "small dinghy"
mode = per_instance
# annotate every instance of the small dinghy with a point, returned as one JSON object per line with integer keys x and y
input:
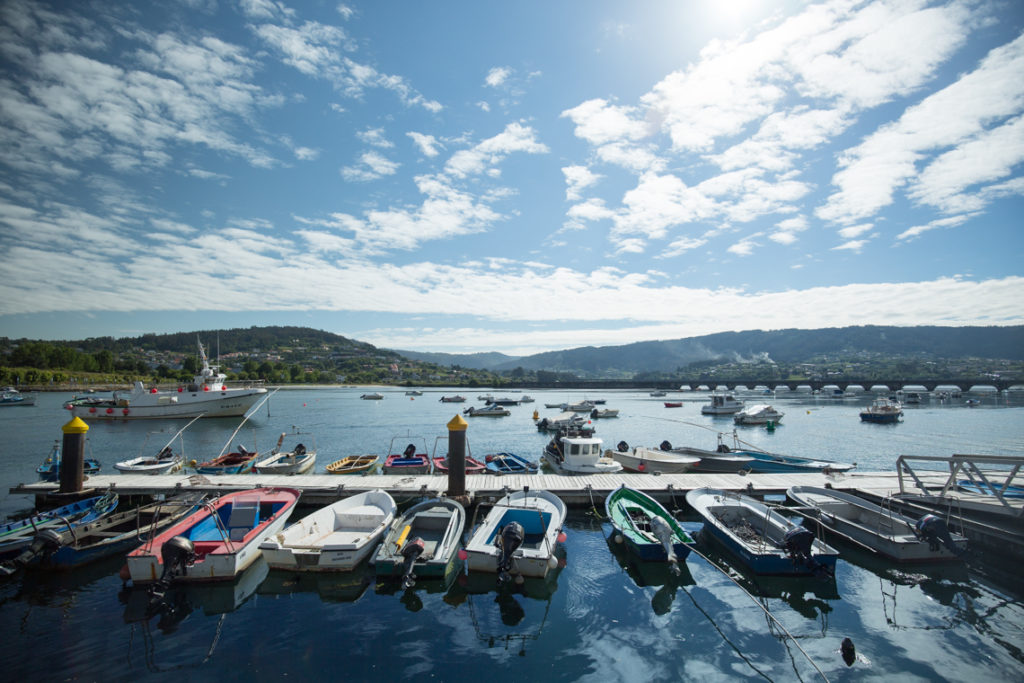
{"x": 166, "y": 461}
{"x": 423, "y": 542}
{"x": 410, "y": 461}
{"x": 353, "y": 464}
{"x": 49, "y": 470}
{"x": 509, "y": 463}
{"x": 518, "y": 536}
{"x": 334, "y": 538}
{"x": 216, "y": 542}
{"x": 298, "y": 460}
{"x": 642, "y": 459}
{"x": 18, "y": 535}
{"x": 764, "y": 540}
{"x": 646, "y": 527}
{"x": 881, "y": 530}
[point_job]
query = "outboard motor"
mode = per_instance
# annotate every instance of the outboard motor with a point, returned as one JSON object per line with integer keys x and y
{"x": 797, "y": 544}
{"x": 300, "y": 450}
{"x": 622, "y": 447}
{"x": 665, "y": 446}
{"x": 411, "y": 552}
{"x": 508, "y": 541}
{"x": 45, "y": 543}
{"x": 933, "y": 529}
{"x": 178, "y": 554}
{"x": 663, "y": 532}
{"x": 409, "y": 451}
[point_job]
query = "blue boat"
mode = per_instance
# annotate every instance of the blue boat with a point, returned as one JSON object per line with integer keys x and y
{"x": 113, "y": 533}
{"x": 771, "y": 463}
{"x": 509, "y": 463}
{"x": 49, "y": 470}
{"x": 646, "y": 527}
{"x": 1011, "y": 490}
{"x": 15, "y": 537}
{"x": 763, "y": 540}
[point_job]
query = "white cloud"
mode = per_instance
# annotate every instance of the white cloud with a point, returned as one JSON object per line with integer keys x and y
{"x": 375, "y": 137}
{"x": 577, "y": 179}
{"x": 497, "y": 76}
{"x": 744, "y": 247}
{"x": 599, "y": 122}
{"x": 855, "y": 230}
{"x": 372, "y": 165}
{"x": 427, "y": 144}
{"x": 852, "y": 245}
{"x": 916, "y": 230}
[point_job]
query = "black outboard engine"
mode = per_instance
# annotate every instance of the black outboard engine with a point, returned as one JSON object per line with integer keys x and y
{"x": 45, "y": 543}
{"x": 177, "y": 554}
{"x": 411, "y": 552}
{"x": 409, "y": 451}
{"x": 933, "y": 529}
{"x": 300, "y": 450}
{"x": 594, "y": 413}
{"x": 665, "y": 445}
{"x": 797, "y": 544}
{"x": 508, "y": 540}
{"x": 622, "y": 447}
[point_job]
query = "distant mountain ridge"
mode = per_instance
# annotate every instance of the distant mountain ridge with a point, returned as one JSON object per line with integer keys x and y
{"x": 789, "y": 346}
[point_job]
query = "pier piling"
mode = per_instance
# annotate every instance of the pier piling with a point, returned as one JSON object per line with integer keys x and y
{"x": 72, "y": 458}
{"x": 457, "y": 457}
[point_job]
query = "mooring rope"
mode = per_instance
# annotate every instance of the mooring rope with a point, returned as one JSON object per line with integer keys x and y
{"x": 763, "y": 609}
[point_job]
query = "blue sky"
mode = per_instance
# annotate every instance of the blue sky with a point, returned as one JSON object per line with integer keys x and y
{"x": 519, "y": 177}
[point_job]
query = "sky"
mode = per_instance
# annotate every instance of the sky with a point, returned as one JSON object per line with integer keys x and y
{"x": 518, "y": 177}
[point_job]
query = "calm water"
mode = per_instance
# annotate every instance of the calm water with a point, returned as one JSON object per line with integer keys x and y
{"x": 600, "y": 617}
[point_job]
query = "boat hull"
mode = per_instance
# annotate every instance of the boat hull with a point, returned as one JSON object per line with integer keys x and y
{"x": 883, "y": 531}
{"x": 649, "y": 460}
{"x": 630, "y": 512}
{"x": 541, "y": 515}
{"x": 335, "y": 538}
{"x": 220, "y": 557}
{"x": 286, "y": 465}
{"x": 509, "y": 463}
{"x": 169, "y": 405}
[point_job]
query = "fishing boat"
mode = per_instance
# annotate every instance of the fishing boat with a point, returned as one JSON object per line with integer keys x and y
{"x": 720, "y": 461}
{"x": 423, "y": 543}
{"x": 9, "y": 396}
{"x": 453, "y": 399}
{"x": 642, "y": 459}
{"x": 526, "y": 398}
{"x": 67, "y": 548}
{"x": 882, "y": 411}
{"x": 764, "y": 540}
{"x": 583, "y": 406}
{"x": 208, "y": 394}
{"x": 336, "y": 537}
{"x": 166, "y": 461}
{"x": 375, "y": 396}
{"x": 646, "y": 527}
{"x": 504, "y": 401}
{"x": 490, "y": 410}
{"x": 762, "y": 462}
{"x": 216, "y": 542}
{"x": 17, "y": 535}
{"x": 518, "y": 536}
{"x": 658, "y": 394}
{"x": 759, "y": 414}
{"x": 509, "y": 463}
{"x": 673, "y": 404}
{"x": 354, "y": 464}
{"x": 721, "y": 404}
{"x": 570, "y": 452}
{"x": 598, "y": 414}
{"x": 239, "y": 461}
{"x": 409, "y": 461}
{"x": 881, "y": 530}
{"x": 563, "y": 421}
{"x": 414, "y": 392}
{"x": 49, "y": 469}
{"x": 298, "y": 460}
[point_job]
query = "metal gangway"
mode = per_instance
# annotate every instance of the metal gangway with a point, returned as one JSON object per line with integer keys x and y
{"x": 989, "y": 480}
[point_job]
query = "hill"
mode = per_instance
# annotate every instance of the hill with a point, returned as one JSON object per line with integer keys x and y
{"x": 481, "y": 361}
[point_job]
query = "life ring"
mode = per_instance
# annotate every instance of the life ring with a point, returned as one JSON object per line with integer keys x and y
{"x": 124, "y": 412}
{"x": 110, "y": 411}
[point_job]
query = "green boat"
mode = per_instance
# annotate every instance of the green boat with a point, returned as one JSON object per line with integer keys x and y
{"x": 646, "y": 527}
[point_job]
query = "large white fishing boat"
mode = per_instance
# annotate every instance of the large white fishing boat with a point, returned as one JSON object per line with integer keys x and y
{"x": 208, "y": 395}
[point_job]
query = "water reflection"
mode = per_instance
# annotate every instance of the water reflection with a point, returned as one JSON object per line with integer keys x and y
{"x": 173, "y": 608}
{"x": 657, "y": 574}
{"x": 330, "y": 586}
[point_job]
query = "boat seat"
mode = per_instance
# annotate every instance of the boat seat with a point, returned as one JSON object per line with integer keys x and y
{"x": 243, "y": 518}
{"x": 364, "y": 516}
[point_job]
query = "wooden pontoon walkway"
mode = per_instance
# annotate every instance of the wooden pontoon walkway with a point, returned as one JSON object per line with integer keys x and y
{"x": 585, "y": 491}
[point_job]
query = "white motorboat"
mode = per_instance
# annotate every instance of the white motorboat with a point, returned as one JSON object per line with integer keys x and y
{"x": 423, "y": 543}
{"x": 721, "y": 404}
{"x": 299, "y": 460}
{"x": 490, "y": 410}
{"x": 573, "y": 453}
{"x": 166, "y": 461}
{"x": 208, "y": 395}
{"x": 336, "y": 537}
{"x": 881, "y": 530}
{"x": 9, "y": 396}
{"x": 518, "y": 536}
{"x": 375, "y": 396}
{"x": 650, "y": 460}
{"x": 759, "y": 414}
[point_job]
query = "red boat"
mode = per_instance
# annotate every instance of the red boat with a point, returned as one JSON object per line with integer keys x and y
{"x": 673, "y": 405}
